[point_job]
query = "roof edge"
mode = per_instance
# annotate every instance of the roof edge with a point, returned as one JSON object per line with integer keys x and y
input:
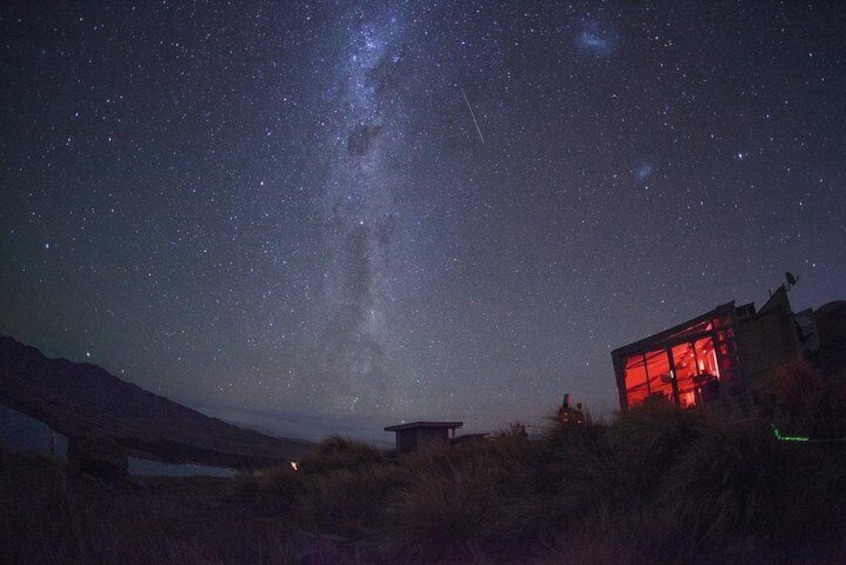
{"x": 424, "y": 424}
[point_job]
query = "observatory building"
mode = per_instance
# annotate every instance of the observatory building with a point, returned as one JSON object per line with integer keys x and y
{"x": 728, "y": 355}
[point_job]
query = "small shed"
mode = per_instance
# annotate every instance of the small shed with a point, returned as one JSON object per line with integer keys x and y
{"x": 416, "y": 436}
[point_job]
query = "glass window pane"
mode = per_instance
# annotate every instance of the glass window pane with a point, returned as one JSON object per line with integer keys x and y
{"x": 660, "y": 379}
{"x": 636, "y": 387}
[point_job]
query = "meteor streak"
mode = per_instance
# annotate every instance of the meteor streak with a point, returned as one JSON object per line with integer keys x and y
{"x": 473, "y": 115}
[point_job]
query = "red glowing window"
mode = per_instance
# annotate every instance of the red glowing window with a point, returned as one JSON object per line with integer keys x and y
{"x": 684, "y": 367}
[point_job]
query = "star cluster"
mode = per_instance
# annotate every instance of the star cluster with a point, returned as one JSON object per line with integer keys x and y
{"x": 353, "y": 213}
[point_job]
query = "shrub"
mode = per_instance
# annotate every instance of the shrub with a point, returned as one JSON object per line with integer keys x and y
{"x": 449, "y": 504}
{"x": 557, "y": 436}
{"x": 336, "y": 453}
{"x": 818, "y": 489}
{"x": 345, "y": 502}
{"x": 592, "y": 484}
{"x": 280, "y": 484}
{"x": 731, "y": 482}
{"x": 649, "y": 439}
{"x": 580, "y": 470}
{"x": 808, "y": 403}
{"x": 245, "y": 486}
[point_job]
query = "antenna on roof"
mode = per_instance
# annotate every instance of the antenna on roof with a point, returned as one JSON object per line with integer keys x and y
{"x": 791, "y": 280}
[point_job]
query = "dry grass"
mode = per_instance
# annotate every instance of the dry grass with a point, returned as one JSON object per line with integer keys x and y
{"x": 49, "y": 516}
{"x": 446, "y": 506}
{"x": 656, "y": 485}
{"x": 731, "y": 482}
{"x": 806, "y": 402}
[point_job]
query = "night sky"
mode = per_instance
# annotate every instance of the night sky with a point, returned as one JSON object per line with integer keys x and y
{"x": 332, "y": 217}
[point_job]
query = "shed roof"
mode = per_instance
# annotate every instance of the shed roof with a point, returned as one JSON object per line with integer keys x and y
{"x": 417, "y": 425}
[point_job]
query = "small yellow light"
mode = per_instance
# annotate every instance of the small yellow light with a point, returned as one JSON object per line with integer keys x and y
{"x": 294, "y": 466}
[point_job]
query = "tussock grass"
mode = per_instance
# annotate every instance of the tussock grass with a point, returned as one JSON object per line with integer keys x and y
{"x": 38, "y": 523}
{"x": 806, "y": 402}
{"x": 348, "y": 503}
{"x": 448, "y": 507}
{"x": 732, "y": 481}
{"x": 336, "y": 452}
{"x": 653, "y": 485}
{"x": 48, "y": 517}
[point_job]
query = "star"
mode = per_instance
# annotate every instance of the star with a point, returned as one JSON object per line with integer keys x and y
{"x": 355, "y": 214}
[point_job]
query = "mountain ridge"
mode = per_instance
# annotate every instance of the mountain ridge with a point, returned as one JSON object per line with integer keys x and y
{"x": 83, "y": 400}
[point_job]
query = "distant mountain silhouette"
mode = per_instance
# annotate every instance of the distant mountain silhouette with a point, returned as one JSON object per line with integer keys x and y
{"x": 97, "y": 410}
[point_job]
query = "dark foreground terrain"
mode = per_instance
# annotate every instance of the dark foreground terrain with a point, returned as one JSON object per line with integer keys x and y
{"x": 656, "y": 485}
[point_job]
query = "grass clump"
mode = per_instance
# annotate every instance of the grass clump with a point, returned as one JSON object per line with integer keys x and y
{"x": 349, "y": 503}
{"x": 653, "y": 485}
{"x": 804, "y": 401}
{"x": 336, "y": 452}
{"x": 732, "y": 481}
{"x": 447, "y": 506}
{"x": 650, "y": 439}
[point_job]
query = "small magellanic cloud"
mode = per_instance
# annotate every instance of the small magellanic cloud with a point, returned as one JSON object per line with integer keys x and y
{"x": 644, "y": 171}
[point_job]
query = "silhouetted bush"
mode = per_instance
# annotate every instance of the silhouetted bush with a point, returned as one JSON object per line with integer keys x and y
{"x": 805, "y": 402}
{"x": 449, "y": 504}
{"x": 654, "y": 485}
{"x": 336, "y": 452}
{"x": 732, "y": 481}
{"x": 648, "y": 440}
{"x": 347, "y": 502}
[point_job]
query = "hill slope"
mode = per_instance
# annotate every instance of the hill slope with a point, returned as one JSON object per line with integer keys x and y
{"x": 81, "y": 400}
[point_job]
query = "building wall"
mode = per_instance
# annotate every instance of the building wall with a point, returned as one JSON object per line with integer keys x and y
{"x": 418, "y": 439}
{"x": 767, "y": 341}
{"x": 406, "y": 440}
{"x": 831, "y": 326}
{"x": 432, "y": 437}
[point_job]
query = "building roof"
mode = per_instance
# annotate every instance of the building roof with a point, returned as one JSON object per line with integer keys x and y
{"x": 417, "y": 425}
{"x": 669, "y": 334}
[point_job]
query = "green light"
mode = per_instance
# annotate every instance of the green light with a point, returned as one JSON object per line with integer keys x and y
{"x": 788, "y": 438}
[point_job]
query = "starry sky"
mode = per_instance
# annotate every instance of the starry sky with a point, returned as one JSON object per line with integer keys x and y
{"x": 331, "y": 217}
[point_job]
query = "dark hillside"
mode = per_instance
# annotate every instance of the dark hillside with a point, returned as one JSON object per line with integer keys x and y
{"x": 81, "y": 400}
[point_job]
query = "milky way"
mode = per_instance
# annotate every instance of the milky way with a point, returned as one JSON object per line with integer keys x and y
{"x": 359, "y": 221}
{"x": 330, "y": 217}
